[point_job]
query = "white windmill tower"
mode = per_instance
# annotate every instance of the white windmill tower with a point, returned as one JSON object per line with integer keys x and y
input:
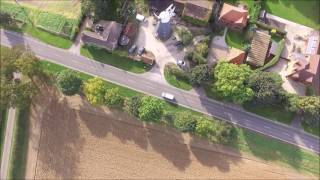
{"x": 164, "y": 30}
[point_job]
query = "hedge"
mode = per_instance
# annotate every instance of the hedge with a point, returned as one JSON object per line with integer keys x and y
{"x": 269, "y": 27}
{"x": 195, "y": 21}
{"x": 276, "y": 58}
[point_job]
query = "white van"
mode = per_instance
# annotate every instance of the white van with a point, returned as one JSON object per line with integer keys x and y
{"x": 167, "y": 96}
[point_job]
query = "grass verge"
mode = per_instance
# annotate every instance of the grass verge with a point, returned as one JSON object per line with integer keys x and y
{"x": 261, "y": 146}
{"x": 3, "y": 124}
{"x": 18, "y": 156}
{"x": 275, "y": 113}
{"x": 172, "y": 80}
{"x": 117, "y": 59}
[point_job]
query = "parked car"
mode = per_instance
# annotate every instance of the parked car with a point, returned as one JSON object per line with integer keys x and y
{"x": 132, "y": 49}
{"x": 168, "y": 96}
{"x": 141, "y": 51}
{"x": 181, "y": 63}
{"x": 178, "y": 43}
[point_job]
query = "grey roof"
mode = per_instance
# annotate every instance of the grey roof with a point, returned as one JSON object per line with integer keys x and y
{"x": 108, "y": 38}
{"x": 164, "y": 31}
{"x": 259, "y": 48}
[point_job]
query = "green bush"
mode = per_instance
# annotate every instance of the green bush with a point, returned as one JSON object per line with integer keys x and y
{"x": 113, "y": 98}
{"x": 269, "y": 27}
{"x": 68, "y": 82}
{"x": 185, "y": 122}
{"x": 202, "y": 49}
{"x": 199, "y": 74}
{"x": 151, "y": 109}
{"x": 276, "y": 58}
{"x": 185, "y": 36}
{"x": 195, "y": 21}
{"x": 198, "y": 59}
{"x": 174, "y": 70}
{"x": 204, "y": 128}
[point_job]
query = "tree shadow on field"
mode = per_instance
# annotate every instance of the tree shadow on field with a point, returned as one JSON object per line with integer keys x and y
{"x": 60, "y": 142}
{"x": 214, "y": 155}
{"x": 102, "y": 121}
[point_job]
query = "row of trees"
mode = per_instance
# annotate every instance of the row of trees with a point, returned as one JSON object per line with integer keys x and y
{"x": 240, "y": 84}
{"x": 20, "y": 61}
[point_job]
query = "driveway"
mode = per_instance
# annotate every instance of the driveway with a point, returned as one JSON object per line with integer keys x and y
{"x": 164, "y": 51}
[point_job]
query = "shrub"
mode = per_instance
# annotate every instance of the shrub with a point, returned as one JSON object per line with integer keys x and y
{"x": 68, "y": 82}
{"x": 202, "y": 49}
{"x": 174, "y": 70}
{"x": 151, "y": 109}
{"x": 269, "y": 27}
{"x": 113, "y": 98}
{"x": 199, "y": 74}
{"x": 198, "y": 59}
{"x": 132, "y": 105}
{"x": 185, "y": 36}
{"x": 204, "y": 128}
{"x": 185, "y": 122}
{"x": 95, "y": 90}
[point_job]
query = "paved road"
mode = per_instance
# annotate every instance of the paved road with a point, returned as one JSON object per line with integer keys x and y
{"x": 7, "y": 144}
{"x": 187, "y": 99}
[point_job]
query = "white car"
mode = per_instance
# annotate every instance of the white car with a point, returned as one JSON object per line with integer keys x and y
{"x": 181, "y": 63}
{"x": 167, "y": 96}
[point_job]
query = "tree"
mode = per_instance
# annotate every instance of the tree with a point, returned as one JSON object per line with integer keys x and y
{"x": 132, "y": 105}
{"x": 310, "y": 108}
{"x": 28, "y": 64}
{"x": 199, "y": 74}
{"x": 230, "y": 82}
{"x": 204, "y": 127}
{"x": 5, "y": 18}
{"x": 95, "y": 90}
{"x": 151, "y": 109}
{"x": 102, "y": 9}
{"x": 185, "y": 36}
{"x": 113, "y": 98}
{"x": 68, "y": 82}
{"x": 266, "y": 86}
{"x": 185, "y": 122}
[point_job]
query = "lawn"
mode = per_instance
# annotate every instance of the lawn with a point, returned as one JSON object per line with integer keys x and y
{"x": 275, "y": 113}
{"x": 235, "y": 39}
{"x": 117, "y": 59}
{"x": 18, "y": 156}
{"x": 304, "y": 12}
{"x": 3, "y": 124}
{"x": 247, "y": 141}
{"x": 172, "y": 80}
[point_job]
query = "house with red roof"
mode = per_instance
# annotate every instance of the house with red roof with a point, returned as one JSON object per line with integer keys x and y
{"x": 235, "y": 18}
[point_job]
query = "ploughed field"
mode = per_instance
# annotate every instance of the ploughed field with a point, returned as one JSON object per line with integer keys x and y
{"x": 72, "y": 139}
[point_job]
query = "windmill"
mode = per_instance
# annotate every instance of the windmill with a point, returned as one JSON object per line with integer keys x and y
{"x": 164, "y": 30}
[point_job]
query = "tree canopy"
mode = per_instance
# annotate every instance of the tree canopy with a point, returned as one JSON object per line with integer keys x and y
{"x": 199, "y": 74}
{"x": 185, "y": 122}
{"x": 230, "y": 82}
{"x": 95, "y": 90}
{"x": 151, "y": 109}
{"x": 69, "y": 83}
{"x": 113, "y": 98}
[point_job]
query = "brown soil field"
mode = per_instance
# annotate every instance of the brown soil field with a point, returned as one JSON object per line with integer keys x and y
{"x": 71, "y": 139}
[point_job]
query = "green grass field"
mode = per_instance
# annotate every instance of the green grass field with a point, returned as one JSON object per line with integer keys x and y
{"x": 4, "y": 117}
{"x": 305, "y": 12}
{"x": 274, "y": 113}
{"x": 18, "y": 155}
{"x": 117, "y": 59}
{"x": 261, "y": 146}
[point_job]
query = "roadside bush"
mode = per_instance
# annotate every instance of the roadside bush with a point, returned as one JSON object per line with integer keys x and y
{"x": 204, "y": 128}
{"x": 151, "y": 109}
{"x": 68, "y": 82}
{"x": 199, "y": 74}
{"x": 5, "y": 18}
{"x": 185, "y": 36}
{"x": 185, "y": 122}
{"x": 174, "y": 70}
{"x": 95, "y": 90}
{"x": 113, "y": 98}
{"x": 132, "y": 105}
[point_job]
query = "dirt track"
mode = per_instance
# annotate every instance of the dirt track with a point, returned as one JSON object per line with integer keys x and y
{"x": 78, "y": 141}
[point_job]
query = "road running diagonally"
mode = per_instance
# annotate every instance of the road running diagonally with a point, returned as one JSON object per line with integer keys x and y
{"x": 187, "y": 99}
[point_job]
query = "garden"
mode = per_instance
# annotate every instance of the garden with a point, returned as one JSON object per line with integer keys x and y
{"x": 52, "y": 28}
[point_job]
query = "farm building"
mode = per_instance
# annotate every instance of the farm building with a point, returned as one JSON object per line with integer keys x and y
{"x": 259, "y": 49}
{"x": 104, "y": 34}
{"x": 234, "y": 17}
{"x": 195, "y": 11}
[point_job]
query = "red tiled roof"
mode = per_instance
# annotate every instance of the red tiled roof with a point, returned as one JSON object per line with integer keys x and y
{"x": 234, "y": 14}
